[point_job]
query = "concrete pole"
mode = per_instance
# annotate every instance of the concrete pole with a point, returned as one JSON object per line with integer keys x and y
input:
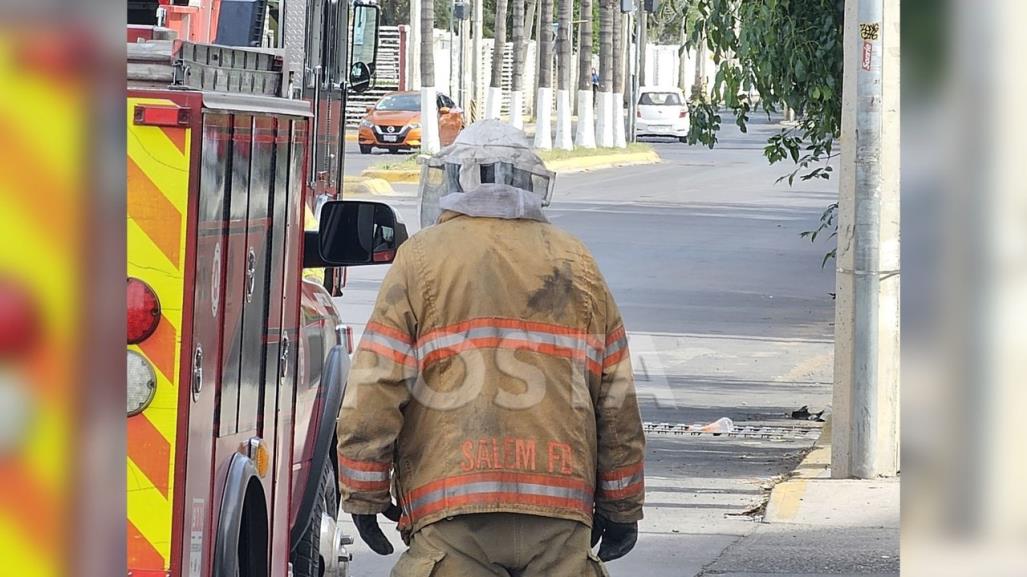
{"x": 414, "y": 47}
{"x": 454, "y": 78}
{"x": 636, "y": 78}
{"x": 475, "y": 110}
{"x": 865, "y": 438}
{"x": 465, "y": 68}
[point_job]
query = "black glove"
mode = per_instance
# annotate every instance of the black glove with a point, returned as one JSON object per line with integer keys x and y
{"x": 618, "y": 538}
{"x": 371, "y": 533}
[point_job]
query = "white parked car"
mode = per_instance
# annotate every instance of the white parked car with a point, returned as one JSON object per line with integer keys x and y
{"x": 661, "y": 112}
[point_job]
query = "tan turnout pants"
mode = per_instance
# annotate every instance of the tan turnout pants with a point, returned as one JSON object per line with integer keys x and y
{"x": 503, "y": 545}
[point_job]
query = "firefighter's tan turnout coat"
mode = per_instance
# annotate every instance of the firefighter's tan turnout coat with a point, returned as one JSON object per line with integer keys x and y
{"x": 493, "y": 376}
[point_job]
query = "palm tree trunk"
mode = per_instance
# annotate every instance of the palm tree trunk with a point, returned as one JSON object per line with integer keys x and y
{"x": 699, "y": 83}
{"x": 530, "y": 14}
{"x": 617, "y": 100}
{"x": 604, "y": 120}
{"x": 495, "y": 97}
{"x": 585, "y": 136}
{"x": 517, "y": 66}
{"x": 563, "y": 75}
{"x": 544, "y": 102}
{"x": 683, "y": 56}
{"x": 429, "y": 112}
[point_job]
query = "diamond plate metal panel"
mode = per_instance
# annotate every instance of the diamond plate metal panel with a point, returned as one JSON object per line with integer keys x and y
{"x": 295, "y": 36}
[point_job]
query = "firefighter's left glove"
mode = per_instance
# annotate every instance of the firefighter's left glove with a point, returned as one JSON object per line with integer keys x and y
{"x": 371, "y": 533}
{"x": 617, "y": 538}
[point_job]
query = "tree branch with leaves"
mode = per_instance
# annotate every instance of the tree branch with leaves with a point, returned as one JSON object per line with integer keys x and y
{"x": 772, "y": 55}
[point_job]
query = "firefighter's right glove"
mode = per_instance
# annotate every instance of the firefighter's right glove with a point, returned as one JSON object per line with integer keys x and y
{"x": 617, "y": 538}
{"x": 371, "y": 533}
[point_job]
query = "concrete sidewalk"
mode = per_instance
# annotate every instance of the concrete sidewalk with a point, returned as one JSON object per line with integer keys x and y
{"x": 818, "y": 526}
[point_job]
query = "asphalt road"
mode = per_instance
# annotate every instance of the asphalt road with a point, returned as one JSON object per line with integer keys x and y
{"x": 729, "y": 314}
{"x": 356, "y": 162}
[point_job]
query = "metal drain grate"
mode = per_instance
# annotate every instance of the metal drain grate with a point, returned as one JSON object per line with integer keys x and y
{"x": 750, "y": 432}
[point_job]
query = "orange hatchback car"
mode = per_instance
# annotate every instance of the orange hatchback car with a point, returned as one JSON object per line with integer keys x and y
{"x": 394, "y": 123}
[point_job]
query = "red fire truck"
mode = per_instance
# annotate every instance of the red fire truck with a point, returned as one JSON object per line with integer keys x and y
{"x": 236, "y": 365}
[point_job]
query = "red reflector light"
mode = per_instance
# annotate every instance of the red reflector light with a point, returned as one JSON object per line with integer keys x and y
{"x": 638, "y": 112}
{"x": 383, "y": 255}
{"x": 143, "y": 311}
{"x": 19, "y": 320}
{"x": 161, "y": 115}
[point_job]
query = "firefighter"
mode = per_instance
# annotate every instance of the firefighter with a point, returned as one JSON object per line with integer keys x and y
{"x": 492, "y": 394}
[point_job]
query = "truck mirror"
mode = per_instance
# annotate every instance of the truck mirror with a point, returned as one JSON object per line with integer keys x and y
{"x": 354, "y": 233}
{"x": 363, "y": 48}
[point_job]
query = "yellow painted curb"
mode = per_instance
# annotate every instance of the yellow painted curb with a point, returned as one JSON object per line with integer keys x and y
{"x": 563, "y": 166}
{"x": 396, "y": 176}
{"x": 603, "y": 161}
{"x": 785, "y": 500}
{"x": 786, "y": 497}
{"x": 360, "y": 185}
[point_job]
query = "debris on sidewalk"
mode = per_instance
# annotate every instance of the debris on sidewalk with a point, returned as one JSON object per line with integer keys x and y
{"x": 720, "y": 426}
{"x": 803, "y": 414}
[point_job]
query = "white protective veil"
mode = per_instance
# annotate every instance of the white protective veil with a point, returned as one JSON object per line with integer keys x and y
{"x": 489, "y": 170}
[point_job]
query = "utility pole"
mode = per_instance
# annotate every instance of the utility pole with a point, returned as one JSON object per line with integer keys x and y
{"x": 641, "y": 13}
{"x": 474, "y": 111}
{"x": 465, "y": 57}
{"x": 414, "y": 47}
{"x": 865, "y": 437}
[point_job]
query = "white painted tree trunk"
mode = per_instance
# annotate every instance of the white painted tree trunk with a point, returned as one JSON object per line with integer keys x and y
{"x": 563, "y": 139}
{"x": 585, "y": 136}
{"x": 619, "y": 139}
{"x": 543, "y": 118}
{"x": 429, "y": 121}
{"x": 604, "y": 120}
{"x": 494, "y": 103}
{"x": 517, "y": 109}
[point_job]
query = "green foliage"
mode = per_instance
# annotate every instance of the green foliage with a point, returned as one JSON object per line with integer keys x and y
{"x": 827, "y": 222}
{"x": 664, "y": 27}
{"x": 789, "y": 53}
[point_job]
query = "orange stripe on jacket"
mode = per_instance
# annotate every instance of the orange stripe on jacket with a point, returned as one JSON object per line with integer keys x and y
{"x": 506, "y": 323}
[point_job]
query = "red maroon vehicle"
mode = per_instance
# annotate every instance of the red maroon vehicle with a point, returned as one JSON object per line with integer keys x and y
{"x": 236, "y": 365}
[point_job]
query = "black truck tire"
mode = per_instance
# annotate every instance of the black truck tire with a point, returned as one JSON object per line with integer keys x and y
{"x": 306, "y": 555}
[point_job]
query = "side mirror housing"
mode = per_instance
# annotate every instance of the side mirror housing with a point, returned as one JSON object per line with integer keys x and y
{"x": 363, "y": 48}
{"x": 354, "y": 233}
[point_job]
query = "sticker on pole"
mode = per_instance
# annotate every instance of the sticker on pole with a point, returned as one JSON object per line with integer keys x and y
{"x": 870, "y": 32}
{"x": 868, "y": 55}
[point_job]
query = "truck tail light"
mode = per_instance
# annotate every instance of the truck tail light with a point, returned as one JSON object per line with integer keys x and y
{"x": 143, "y": 311}
{"x": 638, "y": 112}
{"x": 142, "y": 383}
{"x": 19, "y": 320}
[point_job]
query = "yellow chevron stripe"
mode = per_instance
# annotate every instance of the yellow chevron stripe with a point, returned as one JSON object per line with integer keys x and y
{"x": 45, "y": 122}
{"x": 24, "y": 556}
{"x": 149, "y": 511}
{"x": 154, "y": 152}
{"x": 44, "y": 110}
{"x": 168, "y": 168}
{"x": 147, "y": 262}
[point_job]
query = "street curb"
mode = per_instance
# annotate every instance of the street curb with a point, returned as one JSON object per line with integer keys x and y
{"x": 372, "y": 186}
{"x": 787, "y": 496}
{"x": 564, "y": 166}
{"x": 394, "y": 176}
{"x": 602, "y": 161}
